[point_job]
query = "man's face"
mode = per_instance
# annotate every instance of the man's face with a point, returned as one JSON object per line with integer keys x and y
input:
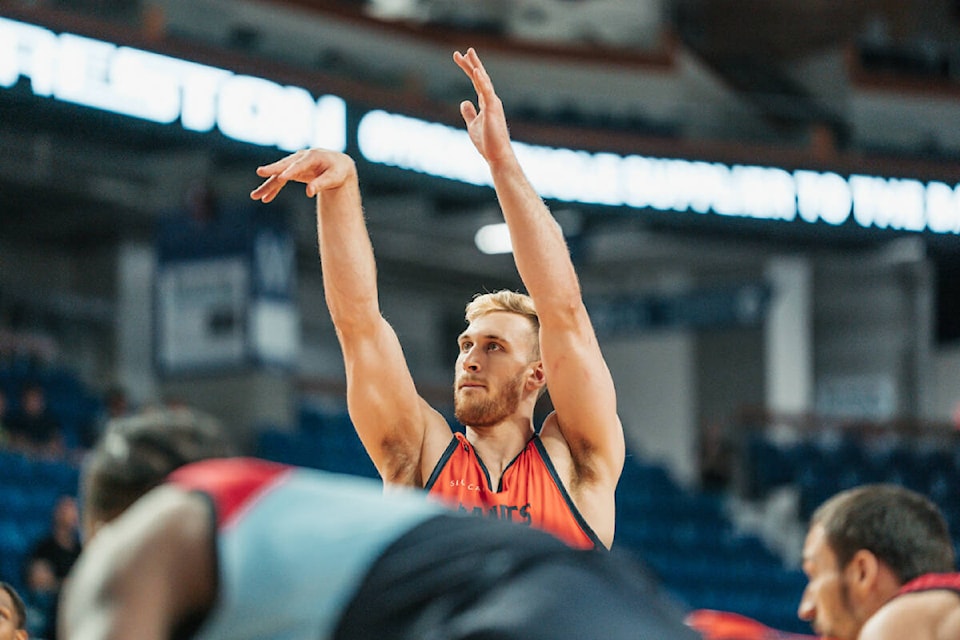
{"x": 66, "y": 513}
{"x": 826, "y": 602}
{"x": 34, "y": 402}
{"x": 493, "y": 365}
{"x": 9, "y": 621}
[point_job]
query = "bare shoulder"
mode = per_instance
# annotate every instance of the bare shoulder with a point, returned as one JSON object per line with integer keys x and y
{"x": 593, "y": 491}
{"x": 949, "y": 627}
{"x": 929, "y": 615}
{"x": 156, "y": 560}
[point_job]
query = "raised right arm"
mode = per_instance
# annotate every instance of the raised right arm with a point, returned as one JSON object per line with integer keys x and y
{"x": 391, "y": 419}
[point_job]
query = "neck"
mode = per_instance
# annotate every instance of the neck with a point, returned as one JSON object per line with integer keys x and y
{"x": 498, "y": 444}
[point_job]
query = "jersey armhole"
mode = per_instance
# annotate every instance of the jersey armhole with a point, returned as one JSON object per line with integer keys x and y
{"x": 442, "y": 462}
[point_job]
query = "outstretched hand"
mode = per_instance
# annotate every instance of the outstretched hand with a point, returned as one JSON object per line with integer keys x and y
{"x": 319, "y": 169}
{"x": 486, "y": 122}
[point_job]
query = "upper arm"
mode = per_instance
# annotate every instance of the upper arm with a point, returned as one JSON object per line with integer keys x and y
{"x": 399, "y": 430}
{"x": 145, "y": 573}
{"x": 582, "y": 392}
{"x": 580, "y": 384}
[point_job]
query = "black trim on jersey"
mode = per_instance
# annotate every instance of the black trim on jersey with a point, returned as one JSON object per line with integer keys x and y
{"x": 504, "y": 472}
{"x": 442, "y": 462}
{"x": 191, "y": 625}
{"x": 445, "y": 458}
{"x": 548, "y": 463}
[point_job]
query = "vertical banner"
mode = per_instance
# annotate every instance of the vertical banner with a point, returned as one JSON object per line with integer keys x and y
{"x": 201, "y": 305}
{"x": 274, "y": 319}
{"x": 225, "y": 294}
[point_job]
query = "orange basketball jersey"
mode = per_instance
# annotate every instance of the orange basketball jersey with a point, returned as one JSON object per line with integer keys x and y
{"x": 530, "y": 492}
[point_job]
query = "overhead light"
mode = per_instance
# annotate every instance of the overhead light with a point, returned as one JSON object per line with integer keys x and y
{"x": 493, "y": 238}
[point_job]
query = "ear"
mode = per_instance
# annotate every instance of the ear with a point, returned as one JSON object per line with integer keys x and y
{"x": 863, "y": 571}
{"x": 537, "y": 377}
{"x": 21, "y": 634}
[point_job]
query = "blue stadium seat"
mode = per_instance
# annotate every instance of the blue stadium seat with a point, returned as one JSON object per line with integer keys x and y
{"x": 12, "y": 538}
{"x": 14, "y": 467}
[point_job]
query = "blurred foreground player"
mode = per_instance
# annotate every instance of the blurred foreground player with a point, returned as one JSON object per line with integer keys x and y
{"x": 183, "y": 542}
{"x": 880, "y": 566}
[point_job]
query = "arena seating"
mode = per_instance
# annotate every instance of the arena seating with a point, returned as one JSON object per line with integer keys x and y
{"x": 29, "y": 490}
{"x": 686, "y": 538}
{"x": 820, "y": 465}
{"x": 29, "y": 487}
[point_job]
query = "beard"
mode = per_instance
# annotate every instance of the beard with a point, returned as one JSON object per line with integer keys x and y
{"x": 488, "y": 411}
{"x": 845, "y": 625}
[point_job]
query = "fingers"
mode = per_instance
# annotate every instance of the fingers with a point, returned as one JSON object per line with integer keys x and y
{"x": 474, "y": 59}
{"x": 473, "y": 67}
{"x": 267, "y": 191}
{"x": 279, "y": 173}
{"x": 462, "y": 62}
{"x": 318, "y": 184}
{"x": 319, "y": 169}
{"x": 274, "y": 168}
{"x": 468, "y": 111}
{"x": 470, "y": 64}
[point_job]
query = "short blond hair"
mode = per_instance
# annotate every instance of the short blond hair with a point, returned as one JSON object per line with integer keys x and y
{"x": 511, "y": 302}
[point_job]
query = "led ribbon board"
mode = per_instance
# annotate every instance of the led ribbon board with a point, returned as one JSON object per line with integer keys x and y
{"x": 166, "y": 90}
{"x": 743, "y": 191}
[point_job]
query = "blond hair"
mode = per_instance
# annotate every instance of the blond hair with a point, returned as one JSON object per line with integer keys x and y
{"x": 511, "y": 302}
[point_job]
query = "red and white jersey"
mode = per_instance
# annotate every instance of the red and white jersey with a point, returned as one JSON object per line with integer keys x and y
{"x": 292, "y": 542}
{"x": 932, "y": 582}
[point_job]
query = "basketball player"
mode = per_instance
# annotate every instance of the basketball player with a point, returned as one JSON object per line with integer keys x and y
{"x": 559, "y": 476}
{"x": 880, "y": 566}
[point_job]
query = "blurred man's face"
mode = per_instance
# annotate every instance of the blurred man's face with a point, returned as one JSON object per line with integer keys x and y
{"x": 66, "y": 513}
{"x": 34, "y": 402}
{"x": 826, "y": 602}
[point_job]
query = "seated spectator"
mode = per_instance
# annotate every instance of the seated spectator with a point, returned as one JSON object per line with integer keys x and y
{"x": 33, "y": 429}
{"x": 116, "y": 404}
{"x": 48, "y": 564}
{"x": 716, "y": 454}
{"x": 40, "y": 599}
{"x": 61, "y": 546}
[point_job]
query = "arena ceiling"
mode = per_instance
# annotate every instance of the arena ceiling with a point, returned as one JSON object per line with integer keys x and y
{"x": 74, "y": 177}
